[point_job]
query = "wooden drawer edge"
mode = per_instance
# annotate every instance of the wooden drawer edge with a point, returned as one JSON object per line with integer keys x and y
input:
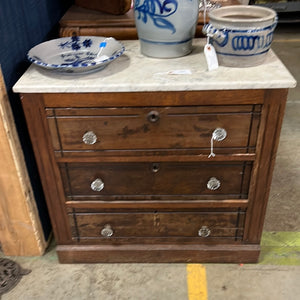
{"x": 161, "y": 205}
{"x": 106, "y": 157}
{"x": 221, "y": 240}
{"x": 175, "y": 98}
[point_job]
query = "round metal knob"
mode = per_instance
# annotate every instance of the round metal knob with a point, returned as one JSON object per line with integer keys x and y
{"x": 204, "y": 231}
{"x": 89, "y": 138}
{"x": 153, "y": 116}
{"x": 97, "y": 185}
{"x": 219, "y": 134}
{"x": 213, "y": 184}
{"x": 107, "y": 231}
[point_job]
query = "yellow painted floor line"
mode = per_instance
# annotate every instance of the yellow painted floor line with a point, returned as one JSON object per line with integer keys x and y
{"x": 196, "y": 282}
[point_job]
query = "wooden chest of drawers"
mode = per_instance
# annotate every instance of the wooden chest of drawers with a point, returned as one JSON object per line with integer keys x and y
{"x": 156, "y": 176}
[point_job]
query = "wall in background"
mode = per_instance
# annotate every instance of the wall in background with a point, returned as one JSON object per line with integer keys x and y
{"x": 24, "y": 24}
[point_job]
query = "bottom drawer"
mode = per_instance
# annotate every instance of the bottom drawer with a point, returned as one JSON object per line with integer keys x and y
{"x": 117, "y": 226}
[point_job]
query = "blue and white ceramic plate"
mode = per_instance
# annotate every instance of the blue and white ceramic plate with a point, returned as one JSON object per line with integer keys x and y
{"x": 77, "y": 54}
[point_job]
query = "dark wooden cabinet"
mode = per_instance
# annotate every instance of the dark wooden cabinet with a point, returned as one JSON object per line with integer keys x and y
{"x": 81, "y": 21}
{"x": 128, "y": 177}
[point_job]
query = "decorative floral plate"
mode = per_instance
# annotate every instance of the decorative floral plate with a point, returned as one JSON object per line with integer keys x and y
{"x": 77, "y": 54}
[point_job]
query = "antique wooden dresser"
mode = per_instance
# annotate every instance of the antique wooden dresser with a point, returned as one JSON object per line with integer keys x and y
{"x": 153, "y": 160}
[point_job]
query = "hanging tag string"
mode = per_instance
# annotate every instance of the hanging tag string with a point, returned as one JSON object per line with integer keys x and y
{"x": 218, "y": 135}
{"x": 212, "y": 154}
{"x": 204, "y": 20}
{"x": 208, "y": 39}
{"x": 204, "y": 12}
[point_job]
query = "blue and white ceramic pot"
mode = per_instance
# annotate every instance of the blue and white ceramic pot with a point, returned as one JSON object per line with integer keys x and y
{"x": 166, "y": 27}
{"x": 241, "y": 34}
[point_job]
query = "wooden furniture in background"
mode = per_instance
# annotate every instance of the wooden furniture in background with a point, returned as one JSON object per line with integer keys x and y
{"x": 81, "y": 21}
{"x": 21, "y": 232}
{"x": 115, "y": 7}
{"x": 86, "y": 22}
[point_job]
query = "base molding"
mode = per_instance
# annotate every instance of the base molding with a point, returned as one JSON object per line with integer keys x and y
{"x": 169, "y": 253}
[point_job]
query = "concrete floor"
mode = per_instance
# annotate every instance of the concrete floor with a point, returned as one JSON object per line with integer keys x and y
{"x": 271, "y": 278}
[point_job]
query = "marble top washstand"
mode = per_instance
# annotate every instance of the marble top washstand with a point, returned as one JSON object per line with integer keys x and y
{"x": 134, "y": 72}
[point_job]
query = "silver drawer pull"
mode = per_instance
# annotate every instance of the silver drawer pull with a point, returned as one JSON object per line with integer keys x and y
{"x": 219, "y": 134}
{"x": 213, "y": 184}
{"x": 204, "y": 231}
{"x": 107, "y": 231}
{"x": 97, "y": 185}
{"x": 89, "y": 138}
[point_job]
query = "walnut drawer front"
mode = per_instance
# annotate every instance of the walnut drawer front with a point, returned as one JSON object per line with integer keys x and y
{"x": 149, "y": 128}
{"x": 157, "y": 224}
{"x": 124, "y": 180}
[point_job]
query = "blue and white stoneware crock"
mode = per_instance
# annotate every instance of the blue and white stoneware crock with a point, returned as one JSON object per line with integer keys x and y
{"x": 166, "y": 27}
{"x": 241, "y": 34}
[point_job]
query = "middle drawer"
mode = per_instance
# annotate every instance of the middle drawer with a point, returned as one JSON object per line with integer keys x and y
{"x": 163, "y": 180}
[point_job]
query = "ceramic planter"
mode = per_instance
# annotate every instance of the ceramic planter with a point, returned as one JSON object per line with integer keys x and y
{"x": 241, "y": 34}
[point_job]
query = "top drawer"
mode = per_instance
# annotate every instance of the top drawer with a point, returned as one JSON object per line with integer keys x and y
{"x": 153, "y": 128}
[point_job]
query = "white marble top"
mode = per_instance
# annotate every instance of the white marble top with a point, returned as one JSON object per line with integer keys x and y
{"x": 133, "y": 72}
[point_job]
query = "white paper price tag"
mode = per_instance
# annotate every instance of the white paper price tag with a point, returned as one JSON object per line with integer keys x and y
{"x": 211, "y": 57}
{"x": 180, "y": 72}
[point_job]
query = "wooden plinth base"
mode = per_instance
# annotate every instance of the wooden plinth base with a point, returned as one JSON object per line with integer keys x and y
{"x": 158, "y": 253}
